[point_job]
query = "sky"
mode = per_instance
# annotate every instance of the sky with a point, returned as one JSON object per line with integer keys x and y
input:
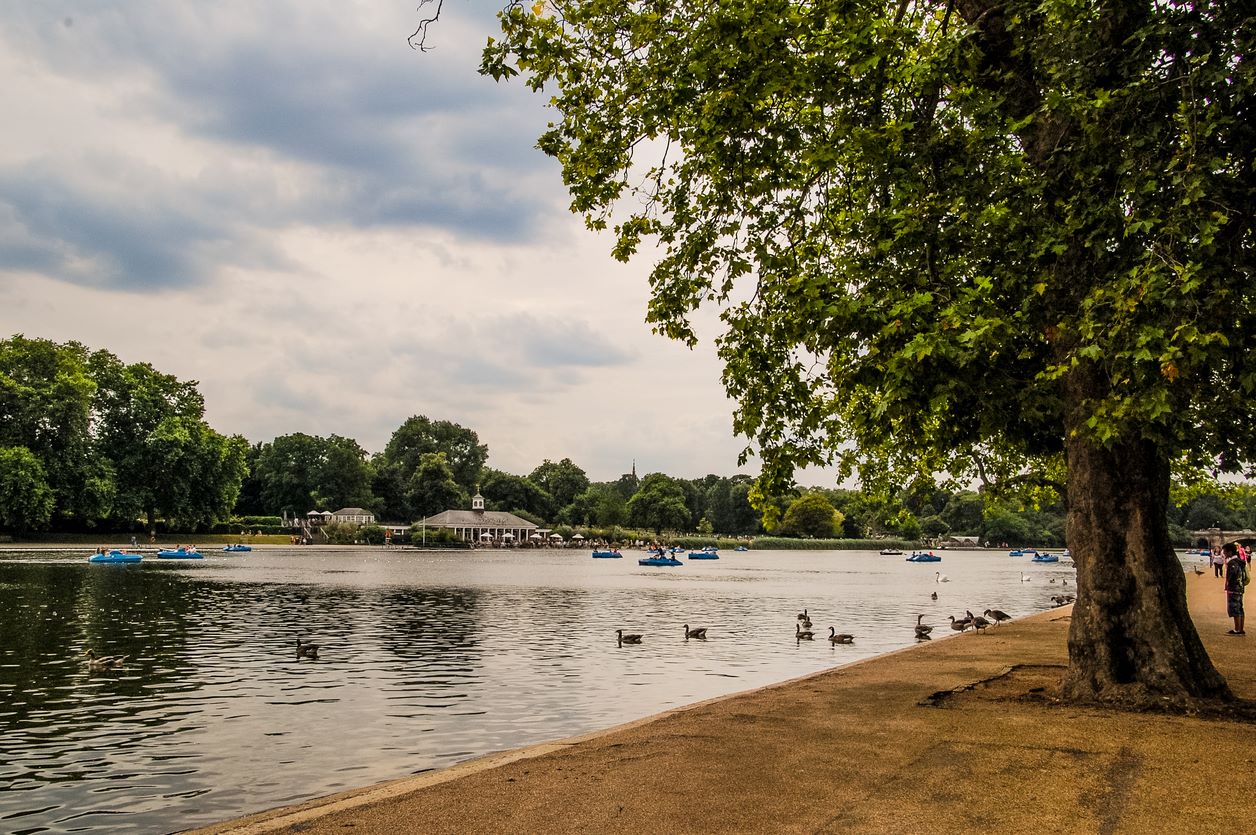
{"x": 331, "y": 232}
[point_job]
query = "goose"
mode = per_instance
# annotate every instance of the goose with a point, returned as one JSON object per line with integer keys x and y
{"x": 939, "y": 577}
{"x": 836, "y": 637}
{"x": 305, "y": 650}
{"x": 803, "y": 615}
{"x": 627, "y": 639}
{"x": 806, "y": 624}
{"x": 695, "y": 633}
{"x": 1064, "y": 580}
{"x": 802, "y": 634}
{"x": 933, "y": 596}
{"x": 103, "y": 663}
{"x": 1052, "y": 580}
{"x": 922, "y": 628}
{"x": 1198, "y": 571}
{"x": 997, "y": 615}
{"x": 978, "y": 622}
{"x": 959, "y": 625}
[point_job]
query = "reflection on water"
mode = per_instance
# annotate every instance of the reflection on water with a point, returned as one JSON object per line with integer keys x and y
{"x": 426, "y": 660}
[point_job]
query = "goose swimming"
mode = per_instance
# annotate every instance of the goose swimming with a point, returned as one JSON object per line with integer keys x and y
{"x": 627, "y": 639}
{"x": 836, "y": 637}
{"x": 309, "y": 651}
{"x": 802, "y": 634}
{"x": 695, "y": 633}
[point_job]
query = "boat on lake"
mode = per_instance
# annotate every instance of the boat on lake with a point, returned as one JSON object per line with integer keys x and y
{"x": 659, "y": 560}
{"x": 607, "y": 555}
{"x": 1016, "y": 553}
{"x": 237, "y": 548}
{"x": 891, "y": 552}
{"x": 703, "y": 555}
{"x": 1045, "y": 558}
{"x": 180, "y": 553}
{"x": 741, "y": 549}
{"x": 115, "y": 556}
{"x": 923, "y": 556}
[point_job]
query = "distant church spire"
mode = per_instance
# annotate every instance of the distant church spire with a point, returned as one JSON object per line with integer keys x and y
{"x": 634, "y": 469}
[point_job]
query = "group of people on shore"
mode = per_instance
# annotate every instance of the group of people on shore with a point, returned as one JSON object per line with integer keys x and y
{"x": 1233, "y": 562}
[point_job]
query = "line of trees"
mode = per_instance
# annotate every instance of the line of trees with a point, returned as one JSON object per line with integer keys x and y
{"x": 90, "y": 443}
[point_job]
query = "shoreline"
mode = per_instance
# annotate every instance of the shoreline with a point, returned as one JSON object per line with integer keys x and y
{"x": 947, "y": 734}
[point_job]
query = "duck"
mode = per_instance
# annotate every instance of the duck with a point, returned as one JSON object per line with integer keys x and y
{"x": 922, "y": 628}
{"x": 939, "y": 577}
{"x": 699, "y": 632}
{"x": 103, "y": 663}
{"x": 802, "y": 634}
{"x": 626, "y": 639}
{"x": 997, "y": 615}
{"x": 836, "y": 637}
{"x": 959, "y": 625}
{"x": 305, "y": 650}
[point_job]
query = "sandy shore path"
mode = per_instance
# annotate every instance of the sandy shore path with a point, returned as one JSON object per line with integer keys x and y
{"x": 940, "y": 737}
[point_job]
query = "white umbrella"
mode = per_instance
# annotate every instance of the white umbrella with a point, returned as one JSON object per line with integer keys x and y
{"x": 556, "y": 536}
{"x": 508, "y": 536}
{"x": 486, "y": 536}
{"x": 535, "y": 536}
{"x": 577, "y": 536}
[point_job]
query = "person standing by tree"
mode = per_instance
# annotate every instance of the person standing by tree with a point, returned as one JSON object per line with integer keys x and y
{"x": 1236, "y": 577}
{"x": 1218, "y": 563}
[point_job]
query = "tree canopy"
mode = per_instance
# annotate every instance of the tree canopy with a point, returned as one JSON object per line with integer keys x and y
{"x": 1001, "y": 240}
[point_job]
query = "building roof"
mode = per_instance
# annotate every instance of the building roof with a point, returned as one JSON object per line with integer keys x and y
{"x": 478, "y": 519}
{"x": 353, "y": 511}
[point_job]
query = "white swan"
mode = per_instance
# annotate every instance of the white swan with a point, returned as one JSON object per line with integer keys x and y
{"x": 939, "y": 577}
{"x": 1025, "y": 578}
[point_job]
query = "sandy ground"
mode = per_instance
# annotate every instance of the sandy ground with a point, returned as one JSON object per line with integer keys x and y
{"x": 951, "y": 735}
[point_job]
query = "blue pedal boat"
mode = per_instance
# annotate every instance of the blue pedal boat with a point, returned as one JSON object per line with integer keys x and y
{"x": 703, "y": 555}
{"x": 923, "y": 557}
{"x": 1045, "y": 558}
{"x": 607, "y": 555}
{"x": 659, "y": 561}
{"x": 115, "y": 556}
{"x": 237, "y": 549}
{"x": 179, "y": 554}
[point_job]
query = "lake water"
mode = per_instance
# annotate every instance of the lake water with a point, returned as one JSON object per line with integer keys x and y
{"x": 427, "y": 659}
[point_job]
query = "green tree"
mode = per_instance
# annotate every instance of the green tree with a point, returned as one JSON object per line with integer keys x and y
{"x": 419, "y": 435}
{"x": 46, "y": 398}
{"x": 987, "y": 238}
{"x": 301, "y": 472}
{"x": 150, "y": 430}
{"x": 659, "y": 504}
{"x": 810, "y": 515}
{"x": 562, "y": 480}
{"x": 26, "y": 500}
{"x": 433, "y": 488}
{"x": 503, "y": 491}
{"x": 601, "y": 505}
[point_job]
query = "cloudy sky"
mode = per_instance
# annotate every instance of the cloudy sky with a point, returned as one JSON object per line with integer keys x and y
{"x": 330, "y": 231}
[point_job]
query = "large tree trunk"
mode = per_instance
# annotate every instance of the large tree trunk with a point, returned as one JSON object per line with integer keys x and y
{"x": 1131, "y": 639}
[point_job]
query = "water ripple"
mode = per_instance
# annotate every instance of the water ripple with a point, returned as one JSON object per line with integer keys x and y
{"x": 425, "y": 660}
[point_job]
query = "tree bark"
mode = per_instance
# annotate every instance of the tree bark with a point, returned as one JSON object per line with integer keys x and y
{"x": 1131, "y": 639}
